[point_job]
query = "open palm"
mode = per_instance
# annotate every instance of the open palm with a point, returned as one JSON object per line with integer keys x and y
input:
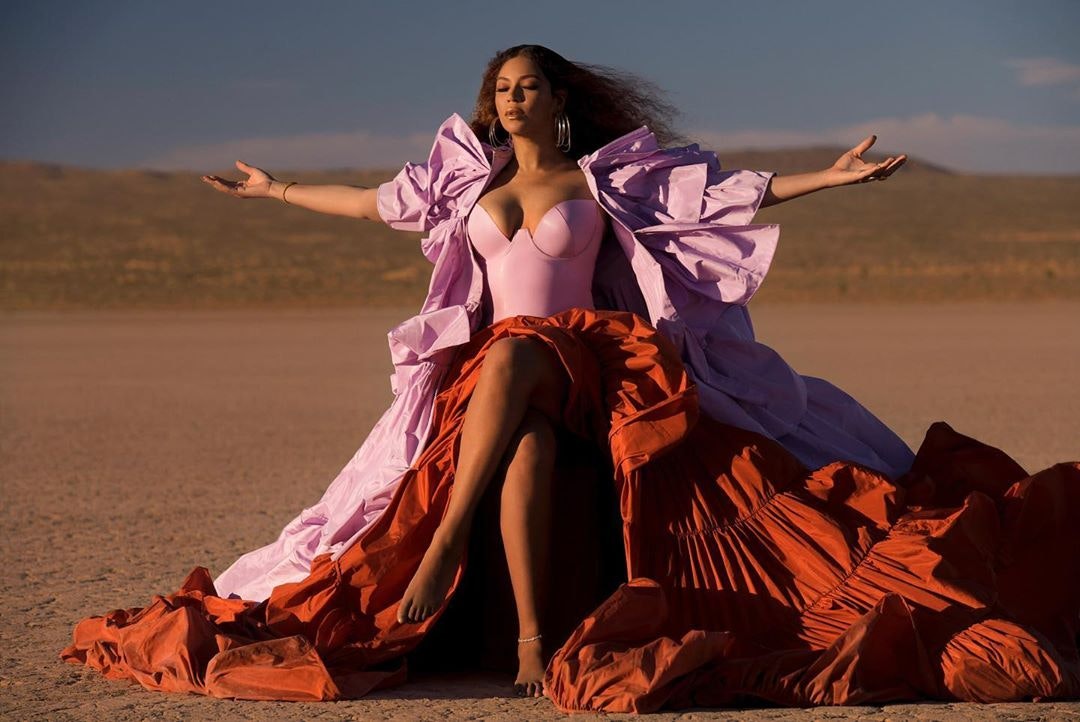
{"x": 256, "y": 186}
{"x": 851, "y": 168}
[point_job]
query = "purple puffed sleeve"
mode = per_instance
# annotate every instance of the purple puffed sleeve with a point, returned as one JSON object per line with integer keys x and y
{"x": 404, "y": 201}
{"x": 732, "y": 197}
{"x": 423, "y": 195}
{"x": 693, "y": 217}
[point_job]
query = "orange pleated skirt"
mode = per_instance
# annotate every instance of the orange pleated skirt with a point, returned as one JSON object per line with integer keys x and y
{"x": 692, "y": 564}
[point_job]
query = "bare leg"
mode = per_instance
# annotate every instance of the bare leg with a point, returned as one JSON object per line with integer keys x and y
{"x": 517, "y": 372}
{"x": 525, "y": 522}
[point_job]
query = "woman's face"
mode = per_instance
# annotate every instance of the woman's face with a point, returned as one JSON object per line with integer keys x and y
{"x": 524, "y": 100}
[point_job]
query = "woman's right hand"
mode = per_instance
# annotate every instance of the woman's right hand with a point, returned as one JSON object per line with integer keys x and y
{"x": 256, "y": 186}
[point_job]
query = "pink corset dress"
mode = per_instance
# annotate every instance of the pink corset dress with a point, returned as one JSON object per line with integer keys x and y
{"x": 544, "y": 272}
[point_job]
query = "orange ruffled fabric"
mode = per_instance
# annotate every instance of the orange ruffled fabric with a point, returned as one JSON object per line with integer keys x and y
{"x": 746, "y": 578}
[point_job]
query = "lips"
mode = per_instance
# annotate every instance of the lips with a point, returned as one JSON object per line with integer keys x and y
{"x": 514, "y": 114}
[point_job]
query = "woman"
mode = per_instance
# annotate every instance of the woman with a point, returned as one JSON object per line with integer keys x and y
{"x": 586, "y": 332}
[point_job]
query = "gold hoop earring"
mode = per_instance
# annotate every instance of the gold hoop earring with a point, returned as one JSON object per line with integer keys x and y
{"x": 562, "y": 132}
{"x": 508, "y": 143}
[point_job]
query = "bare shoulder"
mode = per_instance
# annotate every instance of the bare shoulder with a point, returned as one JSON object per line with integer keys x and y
{"x": 572, "y": 178}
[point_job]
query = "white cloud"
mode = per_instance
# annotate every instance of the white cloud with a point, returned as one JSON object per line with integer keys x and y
{"x": 962, "y": 142}
{"x": 352, "y": 149}
{"x": 1045, "y": 71}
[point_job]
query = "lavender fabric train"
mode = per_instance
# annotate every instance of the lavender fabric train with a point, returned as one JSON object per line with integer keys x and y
{"x": 684, "y": 255}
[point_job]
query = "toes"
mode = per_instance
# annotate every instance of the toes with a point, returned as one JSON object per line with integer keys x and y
{"x": 528, "y": 689}
{"x": 411, "y": 612}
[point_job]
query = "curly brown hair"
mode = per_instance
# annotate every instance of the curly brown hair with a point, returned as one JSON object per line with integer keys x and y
{"x": 601, "y": 103}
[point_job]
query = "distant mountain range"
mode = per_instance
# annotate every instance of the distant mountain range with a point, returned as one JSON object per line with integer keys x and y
{"x": 73, "y": 237}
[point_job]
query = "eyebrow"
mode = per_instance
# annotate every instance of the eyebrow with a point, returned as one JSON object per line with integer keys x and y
{"x": 530, "y": 75}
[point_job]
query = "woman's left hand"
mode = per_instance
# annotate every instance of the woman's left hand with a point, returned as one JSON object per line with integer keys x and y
{"x": 851, "y": 168}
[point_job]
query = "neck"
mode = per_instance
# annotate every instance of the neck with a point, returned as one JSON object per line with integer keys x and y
{"x": 534, "y": 156}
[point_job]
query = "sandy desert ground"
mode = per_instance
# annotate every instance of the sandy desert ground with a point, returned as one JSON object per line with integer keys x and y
{"x": 138, "y": 444}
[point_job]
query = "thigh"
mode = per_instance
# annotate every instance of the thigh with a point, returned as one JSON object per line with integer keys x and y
{"x": 533, "y": 439}
{"x": 528, "y": 365}
{"x": 551, "y": 391}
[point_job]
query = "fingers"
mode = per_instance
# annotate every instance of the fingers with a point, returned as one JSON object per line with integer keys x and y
{"x": 862, "y": 146}
{"x": 876, "y": 173}
{"x": 891, "y": 165}
{"x": 895, "y": 164}
{"x": 223, "y": 185}
{"x": 882, "y": 170}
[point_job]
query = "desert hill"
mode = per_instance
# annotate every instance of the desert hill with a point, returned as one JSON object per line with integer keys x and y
{"x": 76, "y": 237}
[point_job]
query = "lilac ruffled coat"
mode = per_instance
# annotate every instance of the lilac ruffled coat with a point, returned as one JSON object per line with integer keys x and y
{"x": 685, "y": 256}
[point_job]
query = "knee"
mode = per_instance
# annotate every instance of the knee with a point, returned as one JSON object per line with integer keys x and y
{"x": 526, "y": 366}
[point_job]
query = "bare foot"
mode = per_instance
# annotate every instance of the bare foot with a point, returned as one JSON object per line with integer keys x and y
{"x": 531, "y": 666}
{"x": 429, "y": 585}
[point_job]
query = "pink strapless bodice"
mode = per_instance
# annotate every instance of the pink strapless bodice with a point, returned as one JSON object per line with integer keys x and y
{"x": 541, "y": 273}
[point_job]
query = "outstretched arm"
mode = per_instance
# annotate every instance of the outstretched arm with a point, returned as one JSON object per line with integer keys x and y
{"x": 341, "y": 200}
{"x": 850, "y": 168}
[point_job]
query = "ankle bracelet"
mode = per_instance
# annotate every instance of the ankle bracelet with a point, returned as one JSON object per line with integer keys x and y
{"x": 529, "y": 639}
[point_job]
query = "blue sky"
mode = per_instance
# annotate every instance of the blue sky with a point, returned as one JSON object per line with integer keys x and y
{"x": 975, "y": 85}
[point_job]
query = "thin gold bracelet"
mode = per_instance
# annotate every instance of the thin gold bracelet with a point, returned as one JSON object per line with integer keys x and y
{"x": 286, "y": 188}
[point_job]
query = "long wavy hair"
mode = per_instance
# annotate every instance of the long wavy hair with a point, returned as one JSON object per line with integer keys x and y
{"x": 601, "y": 103}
